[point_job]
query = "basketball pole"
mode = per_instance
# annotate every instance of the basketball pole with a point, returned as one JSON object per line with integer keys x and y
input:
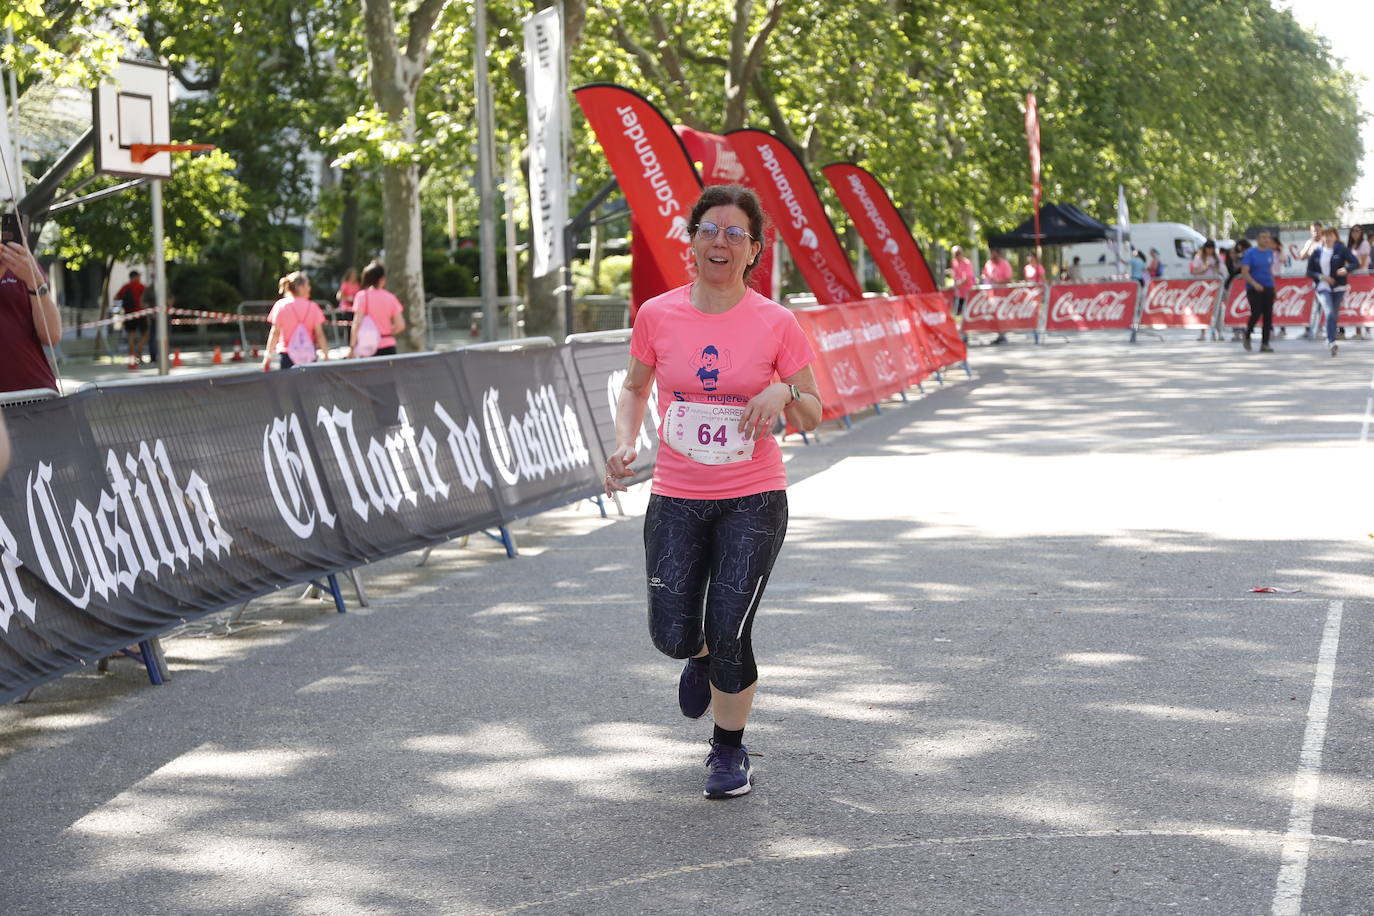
{"x": 159, "y": 276}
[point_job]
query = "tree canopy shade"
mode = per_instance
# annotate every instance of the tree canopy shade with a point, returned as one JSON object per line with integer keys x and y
{"x": 1060, "y": 224}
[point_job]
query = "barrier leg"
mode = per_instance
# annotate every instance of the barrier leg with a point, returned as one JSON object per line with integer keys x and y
{"x": 848, "y": 423}
{"x": 967, "y": 370}
{"x": 357, "y": 579}
{"x": 903, "y": 393}
{"x": 620, "y": 510}
{"x": 424, "y": 555}
{"x": 506, "y": 539}
{"x": 152, "y": 660}
{"x": 1134, "y": 331}
{"x": 333, "y": 588}
{"x": 877, "y": 408}
{"x": 600, "y": 504}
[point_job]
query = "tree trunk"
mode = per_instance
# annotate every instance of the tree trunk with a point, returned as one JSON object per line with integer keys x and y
{"x": 543, "y": 315}
{"x": 348, "y": 224}
{"x": 401, "y": 236}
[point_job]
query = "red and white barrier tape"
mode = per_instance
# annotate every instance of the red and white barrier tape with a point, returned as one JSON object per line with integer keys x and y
{"x": 190, "y": 317}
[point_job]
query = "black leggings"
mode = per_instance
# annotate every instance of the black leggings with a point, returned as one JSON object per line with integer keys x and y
{"x": 707, "y": 562}
{"x": 1261, "y": 309}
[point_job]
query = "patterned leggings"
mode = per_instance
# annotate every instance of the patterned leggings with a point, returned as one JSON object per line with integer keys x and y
{"x": 707, "y": 562}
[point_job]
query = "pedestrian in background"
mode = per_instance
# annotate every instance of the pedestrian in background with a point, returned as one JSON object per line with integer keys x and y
{"x": 297, "y": 325}
{"x": 348, "y": 288}
{"x": 1314, "y": 241}
{"x": 373, "y": 303}
{"x": 1138, "y": 266}
{"x": 960, "y": 271}
{"x": 1155, "y": 269}
{"x": 130, "y": 299}
{"x": 1329, "y": 267}
{"x": 998, "y": 271}
{"x": 1257, "y": 273}
{"x": 1205, "y": 265}
{"x": 1034, "y": 272}
{"x": 1359, "y": 246}
{"x": 1278, "y": 258}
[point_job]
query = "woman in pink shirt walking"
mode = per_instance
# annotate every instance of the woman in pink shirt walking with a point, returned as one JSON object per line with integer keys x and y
{"x": 717, "y": 512}
{"x": 387, "y": 314}
{"x": 293, "y": 311}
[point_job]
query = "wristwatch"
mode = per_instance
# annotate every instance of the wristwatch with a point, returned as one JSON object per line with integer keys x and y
{"x": 796, "y": 393}
{"x": 41, "y": 291}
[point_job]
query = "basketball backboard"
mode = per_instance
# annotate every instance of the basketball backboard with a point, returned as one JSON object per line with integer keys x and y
{"x": 133, "y": 106}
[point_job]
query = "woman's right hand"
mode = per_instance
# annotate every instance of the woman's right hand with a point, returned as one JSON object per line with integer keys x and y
{"x": 618, "y": 468}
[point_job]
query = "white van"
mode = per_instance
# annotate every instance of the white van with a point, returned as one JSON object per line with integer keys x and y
{"x": 1175, "y": 242}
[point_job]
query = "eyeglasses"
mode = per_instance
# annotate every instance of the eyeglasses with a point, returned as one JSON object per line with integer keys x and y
{"x": 734, "y": 235}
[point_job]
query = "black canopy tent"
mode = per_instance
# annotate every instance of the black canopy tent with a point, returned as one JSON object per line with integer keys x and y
{"x": 1060, "y": 224}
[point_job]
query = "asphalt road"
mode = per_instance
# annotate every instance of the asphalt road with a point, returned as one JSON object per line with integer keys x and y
{"x": 1010, "y": 663}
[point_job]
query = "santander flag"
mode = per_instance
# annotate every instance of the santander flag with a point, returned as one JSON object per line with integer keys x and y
{"x": 654, "y": 172}
{"x": 888, "y": 239}
{"x": 792, "y": 204}
{"x": 717, "y": 163}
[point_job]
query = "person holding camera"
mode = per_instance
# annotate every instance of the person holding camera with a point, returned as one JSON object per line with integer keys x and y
{"x": 29, "y": 319}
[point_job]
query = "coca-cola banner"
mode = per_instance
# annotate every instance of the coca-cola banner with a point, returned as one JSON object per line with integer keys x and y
{"x": 942, "y": 338}
{"x": 882, "y": 228}
{"x": 1357, "y": 306}
{"x": 655, "y": 174}
{"x": 1004, "y": 308}
{"x": 129, "y": 510}
{"x": 1293, "y": 301}
{"x": 1180, "y": 303}
{"x": 793, "y": 206}
{"x": 1092, "y": 306}
{"x": 840, "y": 372}
{"x": 717, "y": 163}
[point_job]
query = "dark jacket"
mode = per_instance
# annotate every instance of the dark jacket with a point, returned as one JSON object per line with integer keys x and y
{"x": 1340, "y": 257}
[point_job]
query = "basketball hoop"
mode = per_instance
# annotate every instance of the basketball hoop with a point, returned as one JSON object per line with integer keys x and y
{"x": 142, "y": 152}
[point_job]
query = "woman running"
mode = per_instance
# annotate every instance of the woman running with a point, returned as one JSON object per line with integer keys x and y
{"x": 717, "y": 512}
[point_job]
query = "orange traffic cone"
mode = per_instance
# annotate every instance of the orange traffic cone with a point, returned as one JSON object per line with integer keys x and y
{"x": 176, "y": 359}
{"x": 238, "y": 352}
{"x": 218, "y": 357}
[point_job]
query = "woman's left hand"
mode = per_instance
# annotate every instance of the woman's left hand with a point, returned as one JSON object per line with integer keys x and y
{"x": 763, "y": 411}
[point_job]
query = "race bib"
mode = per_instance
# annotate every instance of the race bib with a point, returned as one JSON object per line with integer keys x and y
{"x": 706, "y": 433}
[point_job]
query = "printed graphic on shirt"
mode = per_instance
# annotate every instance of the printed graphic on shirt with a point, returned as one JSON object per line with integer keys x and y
{"x": 709, "y": 363}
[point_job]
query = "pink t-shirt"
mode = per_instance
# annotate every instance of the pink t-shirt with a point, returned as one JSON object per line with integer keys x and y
{"x": 962, "y": 270}
{"x": 997, "y": 272}
{"x": 287, "y": 313}
{"x": 1034, "y": 273}
{"x": 347, "y": 290}
{"x": 717, "y": 359}
{"x": 381, "y": 307}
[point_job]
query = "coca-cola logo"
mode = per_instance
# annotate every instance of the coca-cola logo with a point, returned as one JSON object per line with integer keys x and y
{"x": 1186, "y": 301}
{"x": 1108, "y": 305}
{"x": 1358, "y": 302}
{"x": 1010, "y": 304}
{"x": 1292, "y": 301}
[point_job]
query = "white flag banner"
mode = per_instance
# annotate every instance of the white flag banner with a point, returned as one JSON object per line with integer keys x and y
{"x": 10, "y": 184}
{"x": 548, "y": 99}
{"x": 1123, "y": 225}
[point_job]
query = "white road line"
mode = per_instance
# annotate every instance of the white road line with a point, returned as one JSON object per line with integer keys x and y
{"x": 1297, "y": 842}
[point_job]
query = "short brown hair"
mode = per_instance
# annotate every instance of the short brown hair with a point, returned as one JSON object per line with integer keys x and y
{"x": 732, "y": 195}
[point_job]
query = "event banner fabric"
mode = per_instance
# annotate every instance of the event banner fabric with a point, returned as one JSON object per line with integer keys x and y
{"x": 840, "y": 373}
{"x": 791, "y": 201}
{"x": 129, "y": 510}
{"x": 601, "y": 367}
{"x": 1004, "y": 308}
{"x": 654, "y": 172}
{"x": 717, "y": 163}
{"x": 882, "y": 228}
{"x": 1092, "y": 306}
{"x": 906, "y": 344}
{"x": 941, "y": 333}
{"x": 887, "y": 372}
{"x": 1294, "y": 298}
{"x": 1180, "y": 303}
{"x": 546, "y": 101}
{"x": 1357, "y": 306}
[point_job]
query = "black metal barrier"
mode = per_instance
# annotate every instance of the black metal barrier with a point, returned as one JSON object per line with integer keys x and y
{"x": 132, "y": 509}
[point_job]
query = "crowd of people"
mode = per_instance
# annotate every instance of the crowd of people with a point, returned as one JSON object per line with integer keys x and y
{"x": 1326, "y": 260}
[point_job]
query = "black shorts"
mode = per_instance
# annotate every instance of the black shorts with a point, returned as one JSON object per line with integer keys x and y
{"x": 136, "y": 325}
{"x": 708, "y": 561}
